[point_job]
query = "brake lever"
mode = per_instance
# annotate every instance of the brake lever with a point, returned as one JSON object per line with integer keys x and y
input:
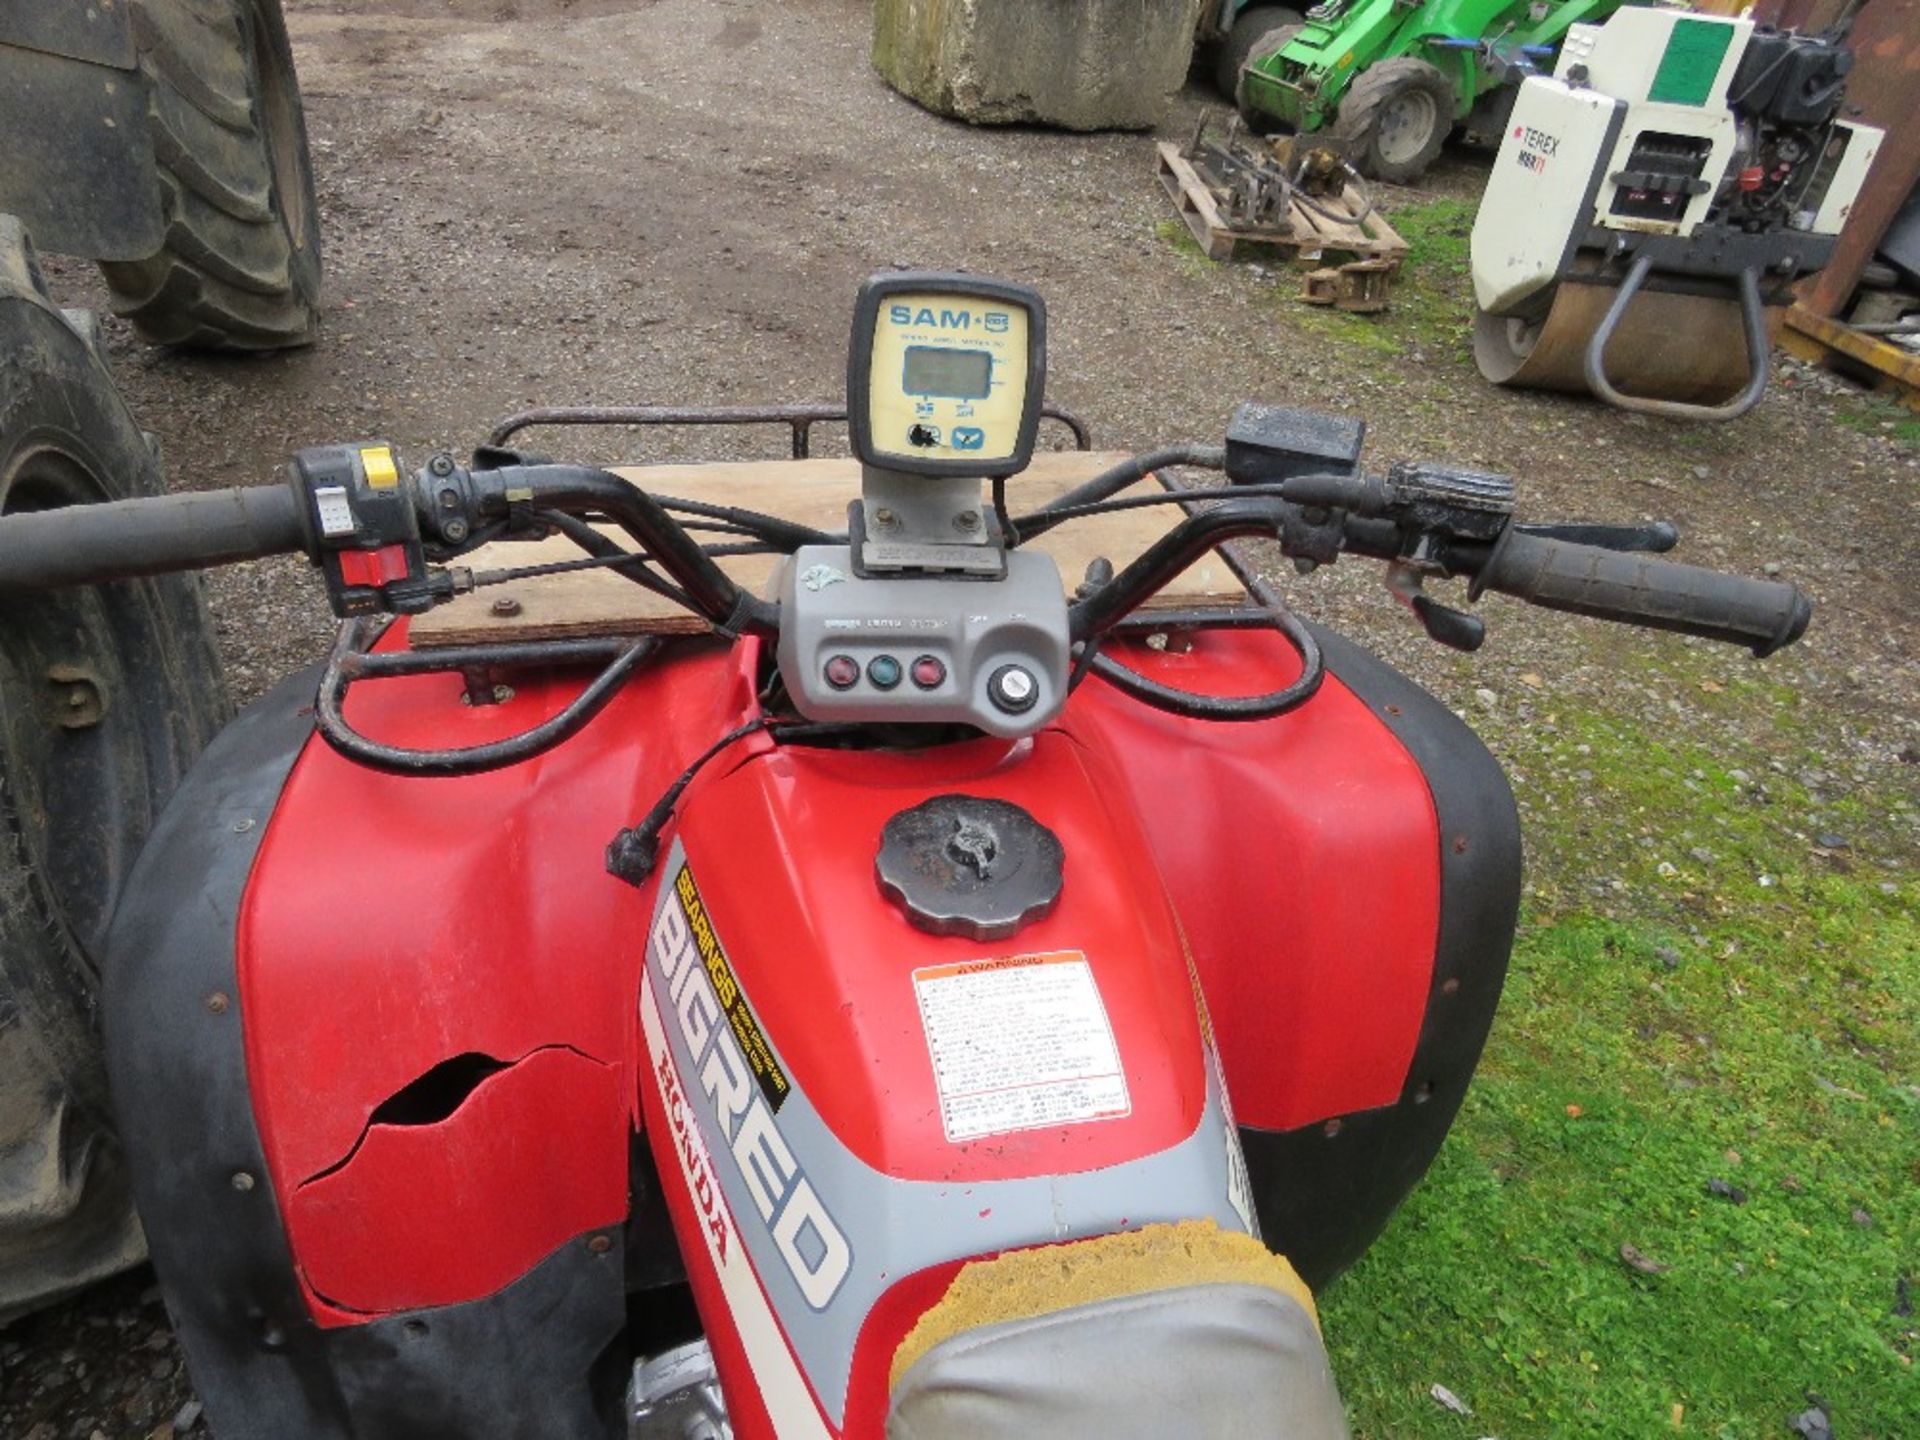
{"x": 1455, "y": 629}
{"x": 1656, "y": 537}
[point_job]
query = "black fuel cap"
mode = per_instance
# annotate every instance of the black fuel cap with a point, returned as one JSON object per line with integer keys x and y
{"x": 961, "y": 865}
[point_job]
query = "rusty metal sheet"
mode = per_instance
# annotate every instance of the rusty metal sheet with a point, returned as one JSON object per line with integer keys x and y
{"x": 1809, "y": 16}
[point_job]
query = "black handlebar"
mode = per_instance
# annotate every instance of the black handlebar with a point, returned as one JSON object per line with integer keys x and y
{"x": 449, "y": 506}
{"x": 580, "y": 488}
{"x": 1638, "y": 589}
{"x": 125, "y": 539}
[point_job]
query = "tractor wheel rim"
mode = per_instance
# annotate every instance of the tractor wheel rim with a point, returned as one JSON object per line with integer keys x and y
{"x": 1406, "y": 125}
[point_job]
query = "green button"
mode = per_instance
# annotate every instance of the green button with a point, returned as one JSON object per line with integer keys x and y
{"x": 884, "y": 671}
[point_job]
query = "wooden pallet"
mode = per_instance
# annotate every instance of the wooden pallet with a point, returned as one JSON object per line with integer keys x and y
{"x": 1309, "y": 237}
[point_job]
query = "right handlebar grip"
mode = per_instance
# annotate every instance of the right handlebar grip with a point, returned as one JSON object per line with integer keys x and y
{"x": 1639, "y": 589}
{"x": 125, "y": 539}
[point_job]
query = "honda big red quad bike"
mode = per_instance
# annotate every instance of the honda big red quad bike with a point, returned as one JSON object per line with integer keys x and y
{"x": 900, "y": 997}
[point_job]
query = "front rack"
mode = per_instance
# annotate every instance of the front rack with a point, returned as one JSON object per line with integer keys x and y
{"x": 799, "y": 419}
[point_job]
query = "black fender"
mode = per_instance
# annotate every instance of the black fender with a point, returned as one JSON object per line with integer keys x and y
{"x": 541, "y": 1359}
{"x": 1358, "y": 1168}
{"x": 78, "y": 167}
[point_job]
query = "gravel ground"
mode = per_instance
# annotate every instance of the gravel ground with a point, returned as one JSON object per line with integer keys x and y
{"x": 537, "y": 201}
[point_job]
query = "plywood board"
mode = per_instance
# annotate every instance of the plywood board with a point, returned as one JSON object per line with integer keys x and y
{"x": 811, "y": 492}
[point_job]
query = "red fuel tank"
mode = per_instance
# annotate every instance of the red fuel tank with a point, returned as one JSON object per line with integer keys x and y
{"x": 854, "y": 1102}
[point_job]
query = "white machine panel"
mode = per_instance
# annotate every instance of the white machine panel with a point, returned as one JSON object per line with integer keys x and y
{"x": 1536, "y": 197}
{"x": 1863, "y": 143}
{"x": 1716, "y": 127}
{"x": 1657, "y": 55}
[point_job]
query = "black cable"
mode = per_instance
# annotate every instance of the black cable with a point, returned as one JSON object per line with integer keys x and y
{"x": 1009, "y": 532}
{"x": 1298, "y": 195}
{"x": 635, "y": 851}
{"x": 1734, "y": 102}
{"x": 1298, "y": 490}
{"x": 1083, "y": 658}
{"x": 756, "y": 522}
{"x": 578, "y": 489}
{"x": 484, "y": 578}
{"x": 1128, "y": 472}
{"x": 628, "y": 564}
{"x": 1056, "y": 514}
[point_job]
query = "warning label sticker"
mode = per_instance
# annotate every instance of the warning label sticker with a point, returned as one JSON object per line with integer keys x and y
{"x": 1020, "y": 1043}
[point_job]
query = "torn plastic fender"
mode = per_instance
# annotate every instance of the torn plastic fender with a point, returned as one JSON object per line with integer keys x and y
{"x": 463, "y": 1198}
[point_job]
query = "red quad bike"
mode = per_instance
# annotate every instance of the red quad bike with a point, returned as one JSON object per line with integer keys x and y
{"x": 834, "y": 1011}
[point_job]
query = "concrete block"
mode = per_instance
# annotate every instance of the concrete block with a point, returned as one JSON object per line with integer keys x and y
{"x": 1077, "y": 64}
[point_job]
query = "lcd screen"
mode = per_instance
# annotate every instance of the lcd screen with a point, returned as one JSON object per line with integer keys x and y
{"x": 954, "y": 374}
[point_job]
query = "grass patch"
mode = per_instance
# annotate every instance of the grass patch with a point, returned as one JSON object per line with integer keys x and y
{"x": 1373, "y": 333}
{"x": 1746, "y": 1012}
{"x": 1431, "y": 312}
{"x": 1887, "y": 418}
{"x": 1433, "y": 297}
{"x": 1437, "y": 235}
{"x": 1176, "y": 237}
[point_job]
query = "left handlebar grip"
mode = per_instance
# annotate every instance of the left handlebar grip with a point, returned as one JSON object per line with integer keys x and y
{"x": 126, "y": 539}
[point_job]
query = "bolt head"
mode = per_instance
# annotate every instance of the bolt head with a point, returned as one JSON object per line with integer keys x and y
{"x": 218, "y": 1002}
{"x": 506, "y": 607}
{"x": 242, "y": 1181}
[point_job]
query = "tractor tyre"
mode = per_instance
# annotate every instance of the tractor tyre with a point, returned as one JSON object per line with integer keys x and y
{"x": 1394, "y": 119}
{"x": 1248, "y": 38}
{"x": 106, "y": 697}
{"x": 239, "y": 267}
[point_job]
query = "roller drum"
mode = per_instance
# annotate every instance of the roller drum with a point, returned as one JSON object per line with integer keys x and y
{"x": 1669, "y": 346}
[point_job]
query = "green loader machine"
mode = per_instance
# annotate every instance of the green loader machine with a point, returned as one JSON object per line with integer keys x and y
{"x": 1386, "y": 81}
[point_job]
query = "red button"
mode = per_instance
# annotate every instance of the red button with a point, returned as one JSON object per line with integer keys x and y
{"x": 929, "y": 672}
{"x": 843, "y": 672}
{"x": 373, "y": 567}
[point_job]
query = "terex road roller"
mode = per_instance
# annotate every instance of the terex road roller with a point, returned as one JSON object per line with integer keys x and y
{"x": 1652, "y": 198}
